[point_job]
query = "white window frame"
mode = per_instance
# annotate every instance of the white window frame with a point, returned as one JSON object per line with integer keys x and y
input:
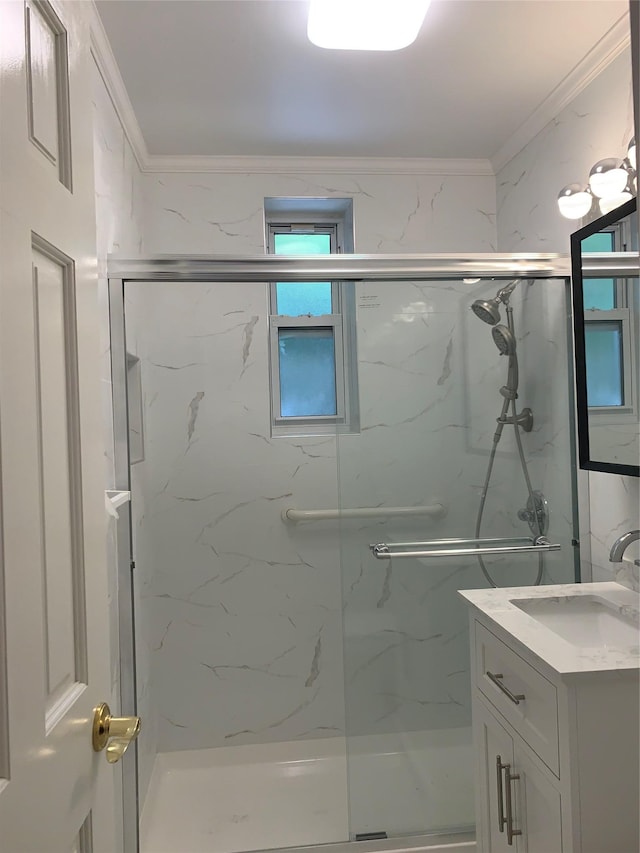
{"x": 341, "y": 321}
{"x": 628, "y": 410}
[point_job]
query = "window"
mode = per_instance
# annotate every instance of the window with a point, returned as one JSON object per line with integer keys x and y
{"x": 609, "y": 333}
{"x": 312, "y": 326}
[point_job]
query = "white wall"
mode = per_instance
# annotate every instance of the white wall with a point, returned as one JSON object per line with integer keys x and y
{"x": 597, "y": 123}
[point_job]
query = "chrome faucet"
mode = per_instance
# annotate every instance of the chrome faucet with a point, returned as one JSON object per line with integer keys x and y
{"x": 621, "y": 544}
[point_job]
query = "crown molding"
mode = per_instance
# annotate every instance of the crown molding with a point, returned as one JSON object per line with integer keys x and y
{"x": 229, "y": 165}
{"x": 612, "y": 44}
{"x": 108, "y": 68}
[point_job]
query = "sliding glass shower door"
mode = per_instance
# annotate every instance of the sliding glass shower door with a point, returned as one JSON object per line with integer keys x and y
{"x": 430, "y": 375}
{"x": 296, "y": 688}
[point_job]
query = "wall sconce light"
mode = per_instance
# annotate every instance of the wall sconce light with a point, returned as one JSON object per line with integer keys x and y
{"x": 612, "y": 182}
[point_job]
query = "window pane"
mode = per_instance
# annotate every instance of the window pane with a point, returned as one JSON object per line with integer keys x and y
{"x": 599, "y": 293}
{"x": 307, "y": 372}
{"x": 603, "y": 341}
{"x": 603, "y": 241}
{"x": 296, "y": 298}
{"x": 304, "y": 244}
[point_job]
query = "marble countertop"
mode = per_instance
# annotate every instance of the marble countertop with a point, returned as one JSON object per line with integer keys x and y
{"x": 562, "y": 656}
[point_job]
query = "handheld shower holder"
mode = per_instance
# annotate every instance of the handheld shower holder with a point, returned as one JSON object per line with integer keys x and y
{"x": 524, "y": 420}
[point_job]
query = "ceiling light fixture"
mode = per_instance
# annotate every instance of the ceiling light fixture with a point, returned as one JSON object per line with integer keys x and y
{"x": 611, "y": 183}
{"x": 365, "y": 24}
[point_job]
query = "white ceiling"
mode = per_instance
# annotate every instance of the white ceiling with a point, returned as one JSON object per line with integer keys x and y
{"x": 239, "y": 77}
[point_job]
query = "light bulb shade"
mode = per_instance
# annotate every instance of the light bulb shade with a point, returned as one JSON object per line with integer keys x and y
{"x": 606, "y": 205}
{"x": 608, "y": 178}
{"x": 574, "y": 201}
{"x": 632, "y": 154}
{"x": 365, "y": 24}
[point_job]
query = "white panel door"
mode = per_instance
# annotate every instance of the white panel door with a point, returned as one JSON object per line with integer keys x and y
{"x": 56, "y": 793}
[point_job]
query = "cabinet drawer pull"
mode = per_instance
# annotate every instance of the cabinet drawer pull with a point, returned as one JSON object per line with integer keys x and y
{"x": 501, "y": 817}
{"x": 509, "y": 778}
{"x": 495, "y": 677}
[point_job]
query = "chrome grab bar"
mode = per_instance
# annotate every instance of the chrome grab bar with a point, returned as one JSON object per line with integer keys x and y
{"x": 462, "y": 547}
{"x": 436, "y": 510}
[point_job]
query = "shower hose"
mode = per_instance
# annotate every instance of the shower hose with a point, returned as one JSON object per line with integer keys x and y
{"x": 525, "y": 471}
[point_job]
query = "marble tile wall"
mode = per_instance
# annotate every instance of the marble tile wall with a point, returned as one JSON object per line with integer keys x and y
{"x": 213, "y": 213}
{"x": 272, "y": 666}
{"x": 597, "y": 123}
{"x": 429, "y": 380}
{"x": 245, "y": 610}
{"x": 254, "y": 632}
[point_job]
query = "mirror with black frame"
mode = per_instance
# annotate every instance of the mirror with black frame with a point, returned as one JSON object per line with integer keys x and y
{"x": 607, "y": 347}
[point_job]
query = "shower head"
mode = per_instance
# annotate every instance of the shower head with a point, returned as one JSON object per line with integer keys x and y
{"x": 504, "y": 340}
{"x": 488, "y": 310}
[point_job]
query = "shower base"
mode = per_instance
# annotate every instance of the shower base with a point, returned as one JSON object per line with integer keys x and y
{"x": 459, "y": 842}
{"x": 294, "y": 794}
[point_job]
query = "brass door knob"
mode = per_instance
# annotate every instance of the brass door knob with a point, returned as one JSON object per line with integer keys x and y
{"x": 114, "y": 733}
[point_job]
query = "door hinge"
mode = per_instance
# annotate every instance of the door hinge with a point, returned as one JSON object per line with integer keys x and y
{"x": 132, "y": 565}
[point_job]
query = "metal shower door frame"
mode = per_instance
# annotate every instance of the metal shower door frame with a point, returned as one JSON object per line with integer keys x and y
{"x": 266, "y": 268}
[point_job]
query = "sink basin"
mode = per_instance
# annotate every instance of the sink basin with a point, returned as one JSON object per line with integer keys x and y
{"x": 587, "y": 621}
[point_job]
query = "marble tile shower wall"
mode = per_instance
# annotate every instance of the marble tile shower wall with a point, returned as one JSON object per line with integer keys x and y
{"x": 245, "y": 611}
{"x": 223, "y": 214}
{"x": 597, "y": 123}
{"x": 429, "y": 379}
{"x": 247, "y": 634}
{"x": 272, "y": 666}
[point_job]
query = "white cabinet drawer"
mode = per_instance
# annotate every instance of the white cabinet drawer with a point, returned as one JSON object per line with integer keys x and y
{"x": 526, "y": 699}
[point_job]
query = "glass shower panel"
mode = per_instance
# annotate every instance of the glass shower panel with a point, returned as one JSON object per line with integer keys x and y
{"x": 238, "y": 610}
{"x": 430, "y": 377}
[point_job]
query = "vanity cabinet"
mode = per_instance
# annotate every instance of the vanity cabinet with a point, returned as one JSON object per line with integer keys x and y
{"x": 556, "y": 752}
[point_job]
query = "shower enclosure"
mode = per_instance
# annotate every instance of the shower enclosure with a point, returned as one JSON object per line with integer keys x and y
{"x": 297, "y": 685}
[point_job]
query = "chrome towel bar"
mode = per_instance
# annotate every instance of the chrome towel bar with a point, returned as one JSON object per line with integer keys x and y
{"x": 462, "y": 547}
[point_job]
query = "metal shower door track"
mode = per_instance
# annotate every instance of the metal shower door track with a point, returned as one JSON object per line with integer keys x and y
{"x": 437, "y": 267}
